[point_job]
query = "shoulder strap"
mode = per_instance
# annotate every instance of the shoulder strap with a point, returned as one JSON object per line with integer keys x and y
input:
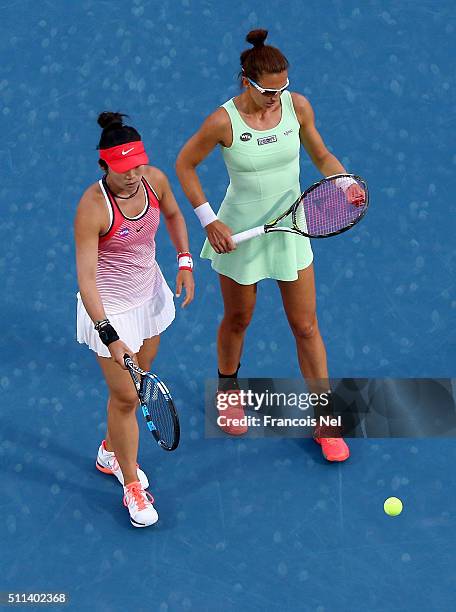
{"x": 237, "y": 126}
{"x": 288, "y": 106}
{"x": 107, "y": 200}
{"x": 115, "y": 217}
{"x": 153, "y": 197}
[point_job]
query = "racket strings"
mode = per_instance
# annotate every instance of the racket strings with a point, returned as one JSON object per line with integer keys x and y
{"x": 159, "y": 410}
{"x": 301, "y": 218}
{"x": 326, "y": 210}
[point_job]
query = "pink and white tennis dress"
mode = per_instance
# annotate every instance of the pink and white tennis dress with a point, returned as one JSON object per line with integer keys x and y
{"x": 136, "y": 298}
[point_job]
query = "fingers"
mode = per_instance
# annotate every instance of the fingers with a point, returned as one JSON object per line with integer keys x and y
{"x": 134, "y": 358}
{"x": 189, "y": 294}
{"x": 226, "y": 245}
{"x": 219, "y": 236}
{"x": 359, "y": 199}
{"x": 179, "y": 285}
{"x": 231, "y": 244}
{"x": 118, "y": 353}
{"x": 219, "y": 248}
{"x": 356, "y": 196}
{"x": 118, "y": 358}
{"x": 216, "y": 244}
{"x": 185, "y": 281}
{"x": 222, "y": 244}
{"x": 216, "y": 247}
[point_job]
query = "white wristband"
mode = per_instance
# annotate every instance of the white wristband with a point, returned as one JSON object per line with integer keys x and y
{"x": 344, "y": 183}
{"x": 185, "y": 261}
{"x": 205, "y": 214}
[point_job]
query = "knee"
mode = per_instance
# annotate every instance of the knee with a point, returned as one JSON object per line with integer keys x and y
{"x": 238, "y": 322}
{"x": 124, "y": 401}
{"x": 305, "y": 330}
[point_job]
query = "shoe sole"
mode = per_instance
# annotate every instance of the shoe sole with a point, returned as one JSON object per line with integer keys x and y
{"x": 103, "y": 469}
{"x": 234, "y": 432}
{"x": 141, "y": 525}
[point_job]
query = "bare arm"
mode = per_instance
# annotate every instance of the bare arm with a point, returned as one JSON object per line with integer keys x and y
{"x": 325, "y": 161}
{"x": 177, "y": 230}
{"x": 170, "y": 210}
{"x": 311, "y": 140}
{"x": 215, "y": 130}
{"x": 87, "y": 227}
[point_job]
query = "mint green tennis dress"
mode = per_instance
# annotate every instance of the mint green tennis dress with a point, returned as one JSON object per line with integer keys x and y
{"x": 263, "y": 166}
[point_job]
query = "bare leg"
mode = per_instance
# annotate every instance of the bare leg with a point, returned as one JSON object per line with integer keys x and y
{"x": 123, "y": 433}
{"x": 299, "y": 301}
{"x": 300, "y": 306}
{"x": 239, "y": 304}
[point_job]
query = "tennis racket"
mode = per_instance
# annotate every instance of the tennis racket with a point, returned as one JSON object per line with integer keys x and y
{"x": 157, "y": 406}
{"x": 327, "y": 208}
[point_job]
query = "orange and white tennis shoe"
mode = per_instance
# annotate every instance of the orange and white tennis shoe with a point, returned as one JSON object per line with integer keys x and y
{"x": 333, "y": 449}
{"x": 107, "y": 463}
{"x": 140, "y": 505}
{"x": 231, "y": 418}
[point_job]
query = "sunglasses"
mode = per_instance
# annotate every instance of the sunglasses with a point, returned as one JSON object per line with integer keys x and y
{"x": 268, "y": 92}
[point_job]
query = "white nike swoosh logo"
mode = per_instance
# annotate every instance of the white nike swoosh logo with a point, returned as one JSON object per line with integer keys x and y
{"x": 126, "y": 152}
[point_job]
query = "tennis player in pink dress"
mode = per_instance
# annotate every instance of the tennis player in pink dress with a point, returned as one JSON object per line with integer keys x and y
{"x": 124, "y": 302}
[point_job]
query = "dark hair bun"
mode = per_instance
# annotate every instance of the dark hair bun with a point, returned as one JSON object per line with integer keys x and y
{"x": 108, "y": 119}
{"x": 257, "y": 37}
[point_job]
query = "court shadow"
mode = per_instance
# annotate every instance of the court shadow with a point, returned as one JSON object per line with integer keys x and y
{"x": 48, "y": 467}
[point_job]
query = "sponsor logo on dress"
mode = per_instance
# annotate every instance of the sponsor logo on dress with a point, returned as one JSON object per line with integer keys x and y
{"x": 245, "y": 137}
{"x": 138, "y": 229}
{"x": 267, "y": 140}
{"x": 124, "y": 231}
{"x": 287, "y": 132}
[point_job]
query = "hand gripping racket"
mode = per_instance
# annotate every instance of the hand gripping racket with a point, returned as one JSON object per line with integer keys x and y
{"x": 157, "y": 406}
{"x": 327, "y": 208}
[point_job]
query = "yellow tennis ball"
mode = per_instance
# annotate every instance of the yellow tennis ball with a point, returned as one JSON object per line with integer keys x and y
{"x": 392, "y": 506}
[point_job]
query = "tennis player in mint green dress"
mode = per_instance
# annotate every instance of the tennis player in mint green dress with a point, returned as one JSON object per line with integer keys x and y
{"x": 260, "y": 133}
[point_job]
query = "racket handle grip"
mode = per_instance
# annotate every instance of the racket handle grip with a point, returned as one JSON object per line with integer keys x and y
{"x": 251, "y": 233}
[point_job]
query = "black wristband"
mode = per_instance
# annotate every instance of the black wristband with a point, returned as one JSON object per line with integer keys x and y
{"x": 108, "y": 334}
{"x": 99, "y": 324}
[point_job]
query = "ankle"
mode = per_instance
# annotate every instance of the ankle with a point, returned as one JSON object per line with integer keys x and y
{"x": 131, "y": 480}
{"x": 228, "y": 381}
{"x": 233, "y": 375}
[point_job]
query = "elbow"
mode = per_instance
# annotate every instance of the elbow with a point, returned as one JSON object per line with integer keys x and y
{"x": 183, "y": 165}
{"x": 179, "y": 165}
{"x": 320, "y": 161}
{"x": 173, "y": 217}
{"x": 87, "y": 286}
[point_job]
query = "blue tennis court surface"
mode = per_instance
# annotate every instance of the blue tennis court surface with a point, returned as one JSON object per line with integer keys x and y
{"x": 244, "y": 524}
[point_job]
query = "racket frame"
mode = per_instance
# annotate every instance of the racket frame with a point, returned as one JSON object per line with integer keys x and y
{"x": 271, "y": 225}
{"x": 134, "y": 370}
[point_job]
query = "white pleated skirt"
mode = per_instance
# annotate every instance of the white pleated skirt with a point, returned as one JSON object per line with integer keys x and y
{"x": 132, "y": 326}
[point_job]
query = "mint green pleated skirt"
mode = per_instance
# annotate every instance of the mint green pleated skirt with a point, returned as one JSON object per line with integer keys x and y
{"x": 277, "y": 255}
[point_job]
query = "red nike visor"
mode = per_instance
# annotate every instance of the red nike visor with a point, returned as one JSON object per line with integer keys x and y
{"x": 125, "y": 157}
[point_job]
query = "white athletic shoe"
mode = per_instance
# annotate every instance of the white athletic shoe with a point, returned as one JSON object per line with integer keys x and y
{"x": 107, "y": 463}
{"x": 139, "y": 504}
